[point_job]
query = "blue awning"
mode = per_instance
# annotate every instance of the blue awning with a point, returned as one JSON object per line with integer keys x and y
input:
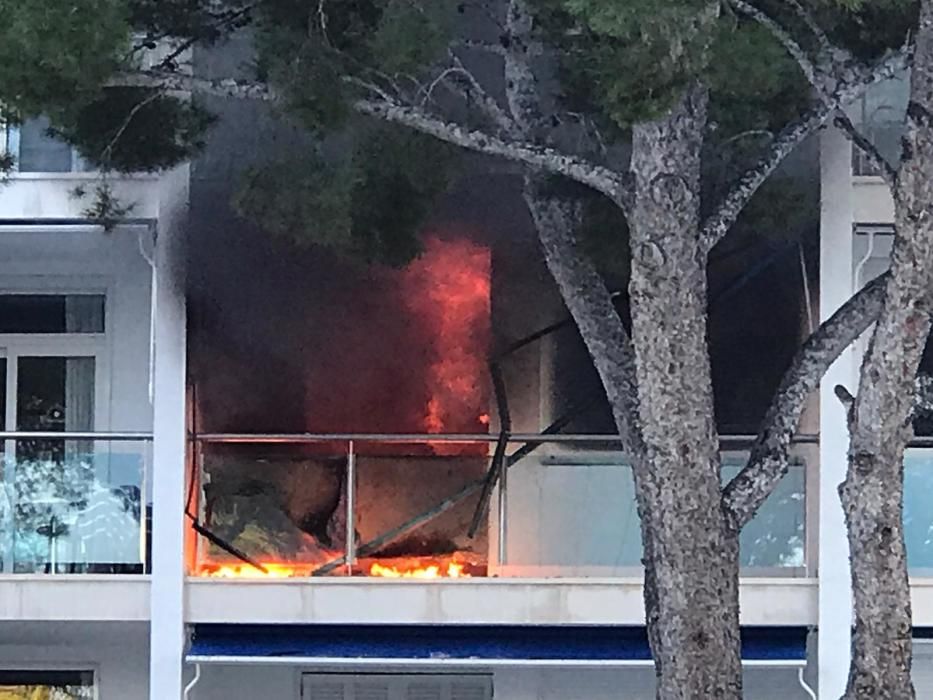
{"x": 461, "y": 645}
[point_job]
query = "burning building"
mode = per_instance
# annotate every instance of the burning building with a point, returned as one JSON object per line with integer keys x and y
{"x": 377, "y": 351}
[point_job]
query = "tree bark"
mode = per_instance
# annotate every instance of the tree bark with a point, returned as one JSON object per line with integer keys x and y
{"x": 880, "y": 419}
{"x": 590, "y": 304}
{"x": 694, "y": 554}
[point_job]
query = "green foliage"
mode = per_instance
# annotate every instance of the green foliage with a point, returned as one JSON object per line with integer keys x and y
{"x": 308, "y": 76}
{"x": 302, "y": 200}
{"x": 105, "y": 208}
{"x": 7, "y": 163}
{"x": 136, "y": 129}
{"x": 402, "y": 174}
{"x": 629, "y": 60}
{"x": 368, "y": 206}
{"x": 203, "y": 21}
{"x": 407, "y": 37}
{"x": 317, "y": 55}
{"x": 868, "y": 27}
{"x": 55, "y": 54}
{"x": 753, "y": 83}
{"x": 784, "y": 210}
{"x": 604, "y": 236}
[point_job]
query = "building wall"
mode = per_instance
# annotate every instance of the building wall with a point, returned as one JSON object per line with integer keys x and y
{"x": 86, "y": 258}
{"x": 117, "y": 652}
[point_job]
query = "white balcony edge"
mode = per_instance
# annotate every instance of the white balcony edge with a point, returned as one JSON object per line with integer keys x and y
{"x": 771, "y": 601}
{"x": 74, "y": 598}
{"x": 121, "y": 598}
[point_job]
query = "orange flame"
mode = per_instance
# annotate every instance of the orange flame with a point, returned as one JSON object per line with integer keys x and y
{"x": 402, "y": 567}
{"x": 452, "y": 570}
{"x": 449, "y": 287}
{"x": 247, "y": 571}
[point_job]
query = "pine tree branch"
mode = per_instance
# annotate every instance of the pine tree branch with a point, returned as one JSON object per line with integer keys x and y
{"x": 850, "y": 85}
{"x": 768, "y": 462}
{"x": 104, "y": 157}
{"x": 804, "y": 14}
{"x": 600, "y": 178}
{"x": 812, "y": 73}
{"x": 885, "y": 169}
{"x": 487, "y": 103}
{"x": 718, "y": 224}
{"x": 174, "y": 82}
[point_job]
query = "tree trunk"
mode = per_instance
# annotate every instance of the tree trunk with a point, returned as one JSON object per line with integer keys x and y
{"x": 659, "y": 385}
{"x": 694, "y": 555}
{"x": 590, "y": 305}
{"x": 880, "y": 419}
{"x": 690, "y": 555}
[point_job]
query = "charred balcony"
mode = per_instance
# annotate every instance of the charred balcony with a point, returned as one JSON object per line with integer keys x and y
{"x": 444, "y": 506}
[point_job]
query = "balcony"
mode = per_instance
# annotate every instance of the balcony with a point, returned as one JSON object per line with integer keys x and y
{"x": 559, "y": 544}
{"x": 74, "y": 503}
{"x": 50, "y": 180}
{"x": 444, "y": 507}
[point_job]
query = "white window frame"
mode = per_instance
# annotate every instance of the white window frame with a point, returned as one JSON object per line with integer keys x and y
{"x": 93, "y": 345}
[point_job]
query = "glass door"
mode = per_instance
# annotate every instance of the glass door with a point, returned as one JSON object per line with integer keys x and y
{"x": 47, "y": 481}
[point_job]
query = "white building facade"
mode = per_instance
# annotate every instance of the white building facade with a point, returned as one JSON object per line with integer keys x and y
{"x": 118, "y": 580}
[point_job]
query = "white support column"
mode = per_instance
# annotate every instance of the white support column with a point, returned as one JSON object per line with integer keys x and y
{"x": 167, "y": 640}
{"x": 836, "y": 286}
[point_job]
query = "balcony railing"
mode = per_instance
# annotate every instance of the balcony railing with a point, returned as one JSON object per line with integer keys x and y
{"x": 433, "y": 506}
{"x": 74, "y": 502}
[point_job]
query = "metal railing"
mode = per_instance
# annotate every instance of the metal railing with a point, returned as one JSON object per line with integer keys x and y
{"x": 351, "y": 447}
{"x": 67, "y": 490}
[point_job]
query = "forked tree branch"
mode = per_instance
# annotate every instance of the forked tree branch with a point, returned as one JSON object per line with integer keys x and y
{"x": 851, "y": 85}
{"x": 717, "y": 224}
{"x": 811, "y": 72}
{"x": 768, "y": 462}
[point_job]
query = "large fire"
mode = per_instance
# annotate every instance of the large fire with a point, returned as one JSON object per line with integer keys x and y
{"x": 448, "y": 289}
{"x": 409, "y": 353}
{"x": 414, "y": 568}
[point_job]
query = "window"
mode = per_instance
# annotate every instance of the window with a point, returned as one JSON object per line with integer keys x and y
{"x": 46, "y": 685}
{"x": 315, "y": 686}
{"x": 36, "y": 151}
{"x": 52, "y": 348}
{"x": 880, "y": 117}
{"x": 52, "y": 313}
